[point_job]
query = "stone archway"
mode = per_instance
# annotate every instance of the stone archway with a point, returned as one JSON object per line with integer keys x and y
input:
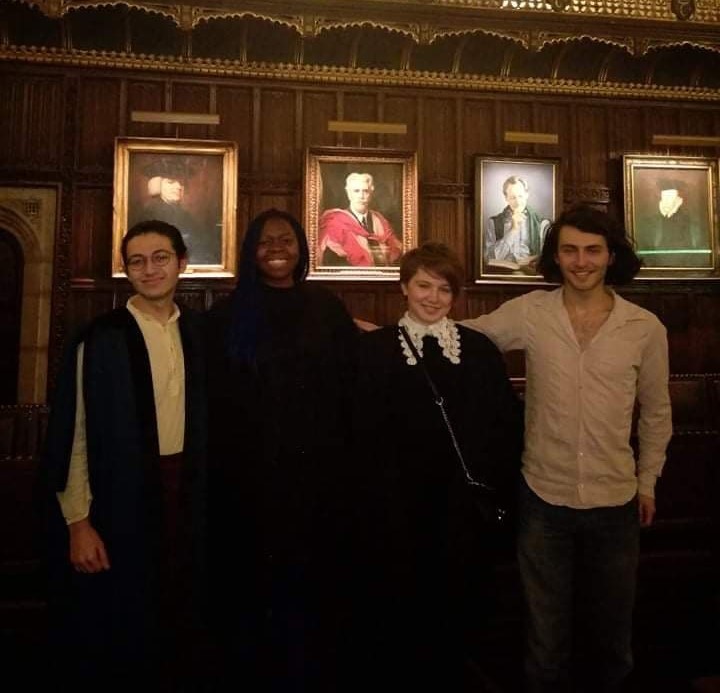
{"x": 30, "y": 215}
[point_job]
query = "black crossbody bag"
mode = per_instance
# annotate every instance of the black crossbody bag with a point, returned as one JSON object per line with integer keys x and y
{"x": 485, "y": 498}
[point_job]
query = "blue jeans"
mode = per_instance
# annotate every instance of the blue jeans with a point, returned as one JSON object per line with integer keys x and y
{"x": 578, "y": 569}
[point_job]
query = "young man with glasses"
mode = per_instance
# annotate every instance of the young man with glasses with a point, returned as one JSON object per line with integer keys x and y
{"x": 125, "y": 459}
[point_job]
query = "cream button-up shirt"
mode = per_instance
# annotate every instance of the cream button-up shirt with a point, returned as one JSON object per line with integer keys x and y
{"x": 167, "y": 365}
{"x": 580, "y": 404}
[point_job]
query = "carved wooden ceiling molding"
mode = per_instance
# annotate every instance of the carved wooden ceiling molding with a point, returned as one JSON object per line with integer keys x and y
{"x": 687, "y": 11}
{"x": 327, "y": 75}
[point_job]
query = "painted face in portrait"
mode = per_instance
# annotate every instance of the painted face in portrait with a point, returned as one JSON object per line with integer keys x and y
{"x": 172, "y": 190}
{"x": 429, "y": 297}
{"x": 359, "y": 188}
{"x": 516, "y": 196}
{"x": 670, "y": 202}
{"x": 277, "y": 253}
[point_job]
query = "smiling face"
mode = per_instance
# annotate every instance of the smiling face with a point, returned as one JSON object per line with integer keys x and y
{"x": 277, "y": 253}
{"x": 429, "y": 297}
{"x": 151, "y": 282}
{"x": 583, "y": 259}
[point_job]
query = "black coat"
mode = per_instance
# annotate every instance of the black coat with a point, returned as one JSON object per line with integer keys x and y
{"x": 426, "y": 556}
{"x": 278, "y": 428}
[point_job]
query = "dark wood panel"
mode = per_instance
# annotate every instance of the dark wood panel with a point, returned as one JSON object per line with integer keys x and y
{"x": 401, "y": 109}
{"x": 192, "y": 98}
{"x": 438, "y": 148}
{"x": 317, "y": 109}
{"x": 98, "y": 124}
{"x": 44, "y": 126}
{"x": 557, "y": 118}
{"x": 626, "y": 130}
{"x": 590, "y": 163}
{"x": 362, "y": 304}
{"x": 287, "y": 202}
{"x": 515, "y": 115}
{"x": 87, "y": 303}
{"x": 478, "y": 127}
{"x": 32, "y": 117}
{"x": 363, "y": 106}
{"x": 92, "y": 233}
{"x": 279, "y": 157}
{"x": 235, "y": 107}
{"x": 439, "y": 222}
{"x": 146, "y": 96}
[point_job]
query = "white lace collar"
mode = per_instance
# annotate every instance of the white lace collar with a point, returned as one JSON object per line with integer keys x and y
{"x": 445, "y": 331}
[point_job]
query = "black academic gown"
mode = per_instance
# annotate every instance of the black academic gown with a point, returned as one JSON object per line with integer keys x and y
{"x": 423, "y": 585}
{"x": 108, "y": 625}
{"x": 278, "y": 448}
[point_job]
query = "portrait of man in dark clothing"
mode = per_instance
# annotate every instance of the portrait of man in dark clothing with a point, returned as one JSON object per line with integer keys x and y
{"x": 671, "y": 218}
{"x": 178, "y": 190}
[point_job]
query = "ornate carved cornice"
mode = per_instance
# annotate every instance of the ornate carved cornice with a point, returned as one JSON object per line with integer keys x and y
{"x": 326, "y": 75}
{"x": 689, "y": 12}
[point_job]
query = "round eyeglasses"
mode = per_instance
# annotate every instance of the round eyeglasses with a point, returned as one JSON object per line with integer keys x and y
{"x": 159, "y": 258}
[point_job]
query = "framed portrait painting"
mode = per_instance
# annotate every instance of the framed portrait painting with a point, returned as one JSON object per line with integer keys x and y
{"x": 670, "y": 212}
{"x": 360, "y": 210}
{"x": 190, "y": 184}
{"x": 516, "y": 200}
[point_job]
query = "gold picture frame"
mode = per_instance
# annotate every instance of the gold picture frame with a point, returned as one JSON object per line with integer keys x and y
{"x": 339, "y": 183}
{"x": 499, "y": 183}
{"x": 671, "y": 214}
{"x": 191, "y": 184}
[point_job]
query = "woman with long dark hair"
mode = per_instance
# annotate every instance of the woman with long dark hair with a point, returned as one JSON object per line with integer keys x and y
{"x": 278, "y": 379}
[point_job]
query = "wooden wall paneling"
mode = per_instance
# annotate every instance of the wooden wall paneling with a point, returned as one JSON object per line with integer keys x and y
{"x": 439, "y": 222}
{"x": 235, "y": 108}
{"x": 514, "y": 115}
{"x": 278, "y": 157}
{"x": 478, "y": 134}
{"x": 363, "y": 106}
{"x": 438, "y": 140}
{"x": 12, "y": 140}
{"x": 361, "y": 302}
{"x": 288, "y": 201}
{"x": 145, "y": 95}
{"x": 190, "y": 295}
{"x": 627, "y": 130}
{"x": 400, "y": 109}
{"x": 663, "y": 120}
{"x": 684, "y": 491}
{"x": 556, "y": 118}
{"x": 31, "y": 113}
{"x": 699, "y": 121}
{"x": 91, "y": 244}
{"x": 675, "y": 310}
{"x": 589, "y": 163}
{"x": 705, "y": 334}
{"x": 192, "y": 97}
{"x": 99, "y": 102}
{"x": 85, "y": 303}
{"x": 21, "y": 522}
{"x": 318, "y": 108}
{"x": 45, "y": 135}
{"x": 394, "y": 305}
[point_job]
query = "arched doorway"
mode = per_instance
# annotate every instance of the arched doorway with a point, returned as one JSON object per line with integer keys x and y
{"x": 12, "y": 264}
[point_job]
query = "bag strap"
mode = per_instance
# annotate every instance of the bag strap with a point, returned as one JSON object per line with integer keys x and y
{"x": 441, "y": 405}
